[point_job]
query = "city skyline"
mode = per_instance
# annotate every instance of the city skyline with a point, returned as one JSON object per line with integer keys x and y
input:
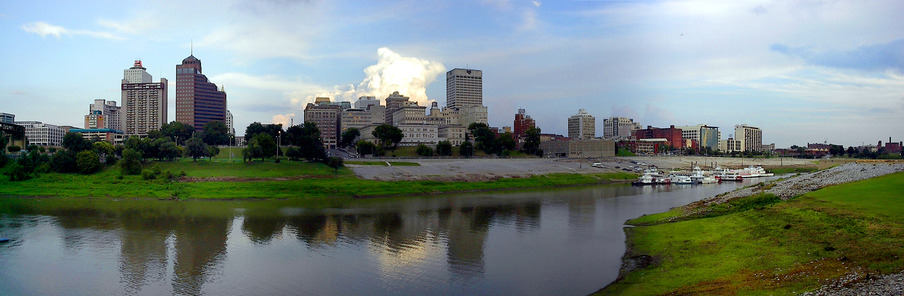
{"x": 802, "y": 72}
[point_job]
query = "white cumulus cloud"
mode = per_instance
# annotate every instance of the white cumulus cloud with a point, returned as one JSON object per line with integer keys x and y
{"x": 407, "y": 75}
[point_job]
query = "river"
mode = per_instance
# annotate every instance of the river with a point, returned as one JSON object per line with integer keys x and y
{"x": 553, "y": 242}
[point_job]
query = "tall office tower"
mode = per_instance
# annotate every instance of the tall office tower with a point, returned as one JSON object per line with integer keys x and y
{"x": 619, "y": 128}
{"x": 144, "y": 102}
{"x": 522, "y": 123}
{"x": 198, "y": 101}
{"x": 229, "y": 123}
{"x": 705, "y": 135}
{"x": 464, "y": 88}
{"x": 751, "y": 138}
{"x": 582, "y": 126}
{"x": 103, "y": 114}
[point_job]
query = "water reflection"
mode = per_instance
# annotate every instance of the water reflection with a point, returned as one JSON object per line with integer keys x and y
{"x": 565, "y": 241}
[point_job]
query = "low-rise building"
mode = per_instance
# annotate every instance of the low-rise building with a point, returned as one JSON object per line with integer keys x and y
{"x": 415, "y": 134}
{"x": 102, "y": 134}
{"x": 593, "y": 148}
{"x": 42, "y": 134}
{"x": 730, "y": 145}
{"x": 14, "y": 133}
{"x": 455, "y": 134}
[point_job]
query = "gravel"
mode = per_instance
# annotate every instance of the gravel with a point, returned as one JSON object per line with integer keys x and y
{"x": 853, "y": 283}
{"x": 803, "y": 183}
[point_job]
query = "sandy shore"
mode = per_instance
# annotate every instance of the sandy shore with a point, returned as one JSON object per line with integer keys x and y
{"x": 482, "y": 169}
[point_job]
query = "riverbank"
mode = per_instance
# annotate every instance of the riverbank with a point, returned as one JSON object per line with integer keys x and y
{"x": 314, "y": 183}
{"x": 835, "y": 228}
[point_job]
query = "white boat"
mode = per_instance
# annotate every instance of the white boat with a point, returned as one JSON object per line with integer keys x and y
{"x": 731, "y": 175}
{"x": 701, "y": 177}
{"x": 680, "y": 179}
{"x": 755, "y": 172}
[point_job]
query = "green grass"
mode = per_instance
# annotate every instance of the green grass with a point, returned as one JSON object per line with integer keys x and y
{"x": 762, "y": 246}
{"x": 383, "y": 163}
{"x": 288, "y": 179}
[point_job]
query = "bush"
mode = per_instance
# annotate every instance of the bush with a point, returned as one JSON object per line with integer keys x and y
{"x": 444, "y": 148}
{"x": 423, "y": 150}
{"x": 13, "y": 149}
{"x": 64, "y": 162}
{"x": 334, "y": 162}
{"x": 88, "y": 162}
{"x": 17, "y": 172}
{"x": 147, "y": 174}
{"x": 131, "y": 162}
{"x": 293, "y": 153}
{"x": 466, "y": 149}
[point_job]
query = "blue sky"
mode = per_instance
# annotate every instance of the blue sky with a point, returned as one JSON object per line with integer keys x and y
{"x": 803, "y": 71}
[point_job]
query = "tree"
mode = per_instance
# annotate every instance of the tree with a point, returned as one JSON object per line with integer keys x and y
{"x": 348, "y": 137}
{"x": 532, "y": 142}
{"x": 365, "y": 148}
{"x": 388, "y": 135}
{"x": 484, "y": 137}
{"x": 444, "y": 148}
{"x": 334, "y": 162}
{"x": 294, "y": 153}
{"x": 851, "y": 151}
{"x": 267, "y": 145}
{"x": 177, "y": 131}
{"x": 75, "y": 142}
{"x": 256, "y": 128}
{"x": 466, "y": 149}
{"x": 423, "y": 150}
{"x": 64, "y": 162}
{"x": 105, "y": 150}
{"x": 215, "y": 133}
{"x": 88, "y": 162}
{"x": 195, "y": 148}
{"x": 307, "y": 137}
{"x": 131, "y": 162}
{"x": 168, "y": 150}
{"x": 505, "y": 142}
{"x": 212, "y": 151}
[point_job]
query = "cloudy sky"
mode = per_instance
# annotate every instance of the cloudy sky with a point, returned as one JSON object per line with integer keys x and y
{"x": 803, "y": 71}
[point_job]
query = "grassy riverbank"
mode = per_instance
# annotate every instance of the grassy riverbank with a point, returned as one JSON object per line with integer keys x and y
{"x": 762, "y": 245}
{"x": 288, "y": 179}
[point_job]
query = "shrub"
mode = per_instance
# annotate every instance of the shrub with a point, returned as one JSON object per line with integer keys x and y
{"x": 147, "y": 174}
{"x": 64, "y": 162}
{"x": 131, "y": 162}
{"x": 334, "y": 162}
{"x": 13, "y": 149}
{"x": 423, "y": 150}
{"x": 444, "y": 148}
{"x": 88, "y": 162}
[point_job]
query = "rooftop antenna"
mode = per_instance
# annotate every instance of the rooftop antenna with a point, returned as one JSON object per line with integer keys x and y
{"x": 191, "y": 50}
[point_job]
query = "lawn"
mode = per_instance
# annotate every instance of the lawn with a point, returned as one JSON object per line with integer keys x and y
{"x": 764, "y": 246}
{"x": 287, "y": 179}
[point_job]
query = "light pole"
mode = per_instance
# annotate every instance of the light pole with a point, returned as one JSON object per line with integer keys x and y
{"x": 278, "y": 136}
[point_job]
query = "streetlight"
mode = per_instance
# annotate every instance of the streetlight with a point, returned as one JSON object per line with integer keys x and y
{"x": 278, "y": 136}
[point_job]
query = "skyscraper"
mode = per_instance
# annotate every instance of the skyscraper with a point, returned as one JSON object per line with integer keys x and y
{"x": 751, "y": 138}
{"x": 619, "y": 128}
{"x": 144, "y": 103}
{"x": 522, "y": 123}
{"x": 582, "y": 126}
{"x": 198, "y": 101}
{"x": 104, "y": 114}
{"x": 464, "y": 88}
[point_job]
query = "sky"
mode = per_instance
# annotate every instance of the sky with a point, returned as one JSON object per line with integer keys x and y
{"x": 802, "y": 71}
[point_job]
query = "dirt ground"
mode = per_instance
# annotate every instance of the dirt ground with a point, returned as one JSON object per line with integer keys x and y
{"x": 491, "y": 169}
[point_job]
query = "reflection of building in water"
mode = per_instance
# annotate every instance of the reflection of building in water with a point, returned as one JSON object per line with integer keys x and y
{"x": 200, "y": 246}
{"x": 581, "y": 213}
{"x": 466, "y": 232}
{"x": 143, "y": 249}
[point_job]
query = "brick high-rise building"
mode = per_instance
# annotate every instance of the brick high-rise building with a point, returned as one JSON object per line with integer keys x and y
{"x": 671, "y": 134}
{"x": 198, "y": 101}
{"x": 751, "y": 137}
{"x": 144, "y": 103}
{"x": 522, "y": 123}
